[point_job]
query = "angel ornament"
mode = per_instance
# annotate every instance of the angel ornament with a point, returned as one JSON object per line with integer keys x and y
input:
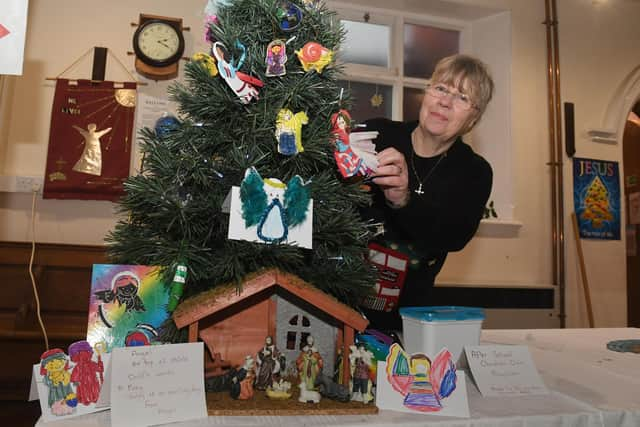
{"x": 355, "y": 153}
{"x": 91, "y": 159}
{"x": 272, "y": 205}
{"x": 242, "y": 84}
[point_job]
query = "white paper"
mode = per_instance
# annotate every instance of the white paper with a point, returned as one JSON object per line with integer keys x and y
{"x": 105, "y": 394}
{"x": 226, "y": 204}
{"x": 13, "y": 28}
{"x": 504, "y": 370}
{"x": 455, "y": 405}
{"x": 300, "y": 235}
{"x": 148, "y": 110}
{"x": 157, "y": 384}
{"x": 33, "y": 389}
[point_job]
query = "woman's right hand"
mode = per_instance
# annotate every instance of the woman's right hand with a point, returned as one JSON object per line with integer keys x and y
{"x": 392, "y": 177}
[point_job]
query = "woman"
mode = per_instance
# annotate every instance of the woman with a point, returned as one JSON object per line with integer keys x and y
{"x": 430, "y": 187}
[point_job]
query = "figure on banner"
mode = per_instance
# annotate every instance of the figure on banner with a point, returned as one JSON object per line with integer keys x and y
{"x": 91, "y": 159}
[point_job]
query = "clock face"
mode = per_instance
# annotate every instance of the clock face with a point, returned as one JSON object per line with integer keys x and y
{"x": 158, "y": 43}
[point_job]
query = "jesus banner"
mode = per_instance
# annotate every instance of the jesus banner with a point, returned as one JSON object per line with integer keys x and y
{"x": 89, "y": 140}
{"x": 596, "y": 198}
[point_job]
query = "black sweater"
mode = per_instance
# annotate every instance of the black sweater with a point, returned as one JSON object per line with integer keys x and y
{"x": 441, "y": 220}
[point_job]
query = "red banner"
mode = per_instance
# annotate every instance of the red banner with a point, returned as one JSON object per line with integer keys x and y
{"x": 90, "y": 140}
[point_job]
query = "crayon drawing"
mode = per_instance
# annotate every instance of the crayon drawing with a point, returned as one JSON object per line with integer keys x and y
{"x": 416, "y": 383}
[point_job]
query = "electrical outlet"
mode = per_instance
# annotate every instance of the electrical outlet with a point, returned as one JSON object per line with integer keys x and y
{"x": 28, "y": 184}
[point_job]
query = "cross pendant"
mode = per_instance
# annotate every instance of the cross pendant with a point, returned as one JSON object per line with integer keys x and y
{"x": 419, "y": 190}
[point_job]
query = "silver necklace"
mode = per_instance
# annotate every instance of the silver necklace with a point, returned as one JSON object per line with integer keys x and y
{"x": 415, "y": 171}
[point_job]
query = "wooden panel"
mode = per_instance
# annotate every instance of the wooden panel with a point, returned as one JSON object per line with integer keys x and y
{"x": 238, "y": 335}
{"x": 349, "y": 338}
{"x": 63, "y": 280}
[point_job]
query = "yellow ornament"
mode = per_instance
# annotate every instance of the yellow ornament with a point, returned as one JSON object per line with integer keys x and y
{"x": 207, "y": 61}
{"x": 314, "y": 56}
{"x": 377, "y": 100}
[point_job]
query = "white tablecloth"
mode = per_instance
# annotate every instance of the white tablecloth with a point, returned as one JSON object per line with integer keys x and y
{"x": 590, "y": 386}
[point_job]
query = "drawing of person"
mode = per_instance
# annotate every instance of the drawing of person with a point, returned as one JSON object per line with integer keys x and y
{"x": 54, "y": 368}
{"x": 85, "y": 374}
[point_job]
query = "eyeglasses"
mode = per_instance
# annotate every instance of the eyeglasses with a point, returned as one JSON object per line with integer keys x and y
{"x": 460, "y": 100}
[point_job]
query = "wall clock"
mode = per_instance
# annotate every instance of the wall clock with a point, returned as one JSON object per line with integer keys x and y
{"x": 158, "y": 44}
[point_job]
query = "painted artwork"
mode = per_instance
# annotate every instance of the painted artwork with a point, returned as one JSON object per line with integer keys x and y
{"x": 417, "y": 383}
{"x": 128, "y": 303}
{"x": 69, "y": 383}
{"x": 596, "y": 197}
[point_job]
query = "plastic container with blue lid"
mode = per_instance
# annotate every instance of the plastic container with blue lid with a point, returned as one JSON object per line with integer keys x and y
{"x": 443, "y": 313}
{"x": 428, "y": 329}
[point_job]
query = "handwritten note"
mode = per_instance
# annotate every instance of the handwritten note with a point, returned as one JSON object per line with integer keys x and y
{"x": 157, "y": 384}
{"x": 504, "y": 370}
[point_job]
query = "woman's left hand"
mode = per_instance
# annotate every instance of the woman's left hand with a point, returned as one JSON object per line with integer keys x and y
{"x": 392, "y": 177}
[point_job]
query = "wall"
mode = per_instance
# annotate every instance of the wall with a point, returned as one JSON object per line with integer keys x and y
{"x": 598, "y": 49}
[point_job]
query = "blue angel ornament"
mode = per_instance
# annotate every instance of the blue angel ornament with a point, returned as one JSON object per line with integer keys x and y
{"x": 272, "y": 205}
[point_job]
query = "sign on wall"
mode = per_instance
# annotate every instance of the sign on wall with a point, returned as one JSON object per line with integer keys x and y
{"x": 13, "y": 28}
{"x": 596, "y": 198}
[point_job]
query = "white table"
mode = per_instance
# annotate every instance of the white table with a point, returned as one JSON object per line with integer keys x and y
{"x": 590, "y": 386}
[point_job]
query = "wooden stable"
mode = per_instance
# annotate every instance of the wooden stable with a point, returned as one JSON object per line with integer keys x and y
{"x": 234, "y": 320}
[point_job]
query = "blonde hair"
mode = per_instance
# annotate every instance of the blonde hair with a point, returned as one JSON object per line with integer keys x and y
{"x": 469, "y": 75}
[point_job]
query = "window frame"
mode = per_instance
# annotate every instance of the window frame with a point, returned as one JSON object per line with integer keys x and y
{"x": 485, "y": 33}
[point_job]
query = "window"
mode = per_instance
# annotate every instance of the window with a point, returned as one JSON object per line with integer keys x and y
{"x": 299, "y": 330}
{"x": 366, "y": 43}
{"x": 389, "y": 54}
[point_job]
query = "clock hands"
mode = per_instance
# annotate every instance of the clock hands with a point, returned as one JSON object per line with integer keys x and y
{"x": 162, "y": 42}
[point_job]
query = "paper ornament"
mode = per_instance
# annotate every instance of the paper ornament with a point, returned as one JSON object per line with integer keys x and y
{"x": 207, "y": 61}
{"x": 289, "y": 131}
{"x": 242, "y": 84}
{"x": 354, "y": 153}
{"x": 314, "y": 56}
{"x": 276, "y": 58}
{"x": 273, "y": 206}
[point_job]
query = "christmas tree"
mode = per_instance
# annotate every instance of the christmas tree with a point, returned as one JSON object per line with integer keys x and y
{"x": 597, "y": 207}
{"x": 173, "y": 208}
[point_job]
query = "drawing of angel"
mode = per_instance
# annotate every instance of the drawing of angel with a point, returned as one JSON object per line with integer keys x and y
{"x": 423, "y": 383}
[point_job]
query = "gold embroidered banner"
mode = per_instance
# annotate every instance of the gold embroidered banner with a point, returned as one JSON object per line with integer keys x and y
{"x": 89, "y": 140}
